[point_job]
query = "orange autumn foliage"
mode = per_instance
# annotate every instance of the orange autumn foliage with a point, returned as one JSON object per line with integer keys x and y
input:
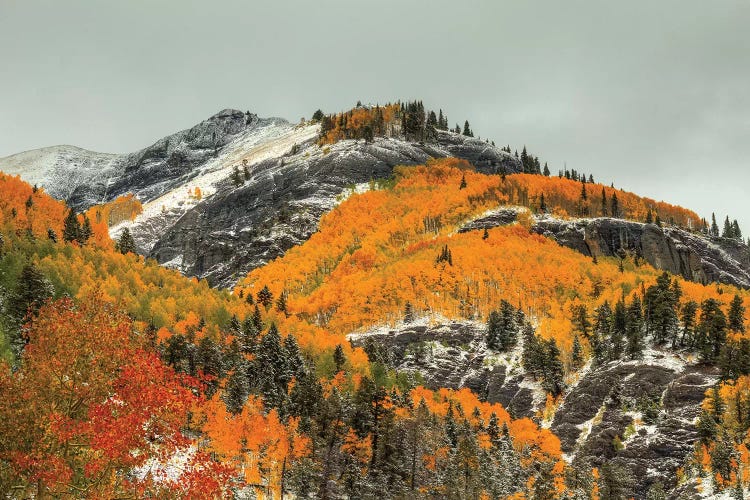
{"x": 351, "y": 124}
{"x": 42, "y": 214}
{"x": 102, "y": 217}
{"x": 731, "y": 422}
{"x": 89, "y": 404}
{"x": 525, "y": 433}
{"x": 563, "y": 196}
{"x": 377, "y": 251}
{"x": 258, "y": 443}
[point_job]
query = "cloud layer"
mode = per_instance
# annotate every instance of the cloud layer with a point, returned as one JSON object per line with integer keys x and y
{"x": 652, "y": 96}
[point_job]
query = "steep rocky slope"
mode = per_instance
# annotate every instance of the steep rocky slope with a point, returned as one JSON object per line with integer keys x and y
{"x": 650, "y": 405}
{"x": 453, "y": 353}
{"x": 693, "y": 256}
{"x": 84, "y": 178}
{"x": 279, "y": 206}
{"x": 231, "y": 227}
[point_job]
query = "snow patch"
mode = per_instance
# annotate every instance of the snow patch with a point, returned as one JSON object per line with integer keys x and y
{"x": 270, "y": 141}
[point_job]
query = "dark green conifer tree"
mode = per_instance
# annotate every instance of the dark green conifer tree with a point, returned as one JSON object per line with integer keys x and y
{"x": 736, "y": 232}
{"x": 728, "y": 230}
{"x": 126, "y": 243}
{"x": 32, "y": 290}
{"x": 618, "y": 331}
{"x": 257, "y": 320}
{"x": 736, "y": 315}
{"x": 86, "y": 230}
{"x": 634, "y": 329}
{"x": 339, "y": 359}
{"x": 271, "y": 369}
{"x": 281, "y": 304}
{"x": 71, "y": 227}
{"x": 554, "y": 371}
{"x": 265, "y": 297}
{"x": 712, "y": 330}
{"x": 687, "y": 318}
{"x": 248, "y": 335}
{"x": 580, "y": 320}
{"x": 714, "y": 227}
{"x": 614, "y": 206}
{"x": 576, "y": 358}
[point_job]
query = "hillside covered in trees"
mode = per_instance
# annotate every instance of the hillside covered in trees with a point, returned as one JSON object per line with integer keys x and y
{"x": 121, "y": 378}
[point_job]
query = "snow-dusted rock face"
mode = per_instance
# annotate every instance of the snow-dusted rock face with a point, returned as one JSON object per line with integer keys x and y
{"x": 84, "y": 178}
{"x": 244, "y": 226}
{"x": 174, "y": 160}
{"x": 693, "y": 256}
{"x": 639, "y": 414}
{"x": 234, "y": 227}
{"x": 63, "y": 170}
{"x": 454, "y": 354}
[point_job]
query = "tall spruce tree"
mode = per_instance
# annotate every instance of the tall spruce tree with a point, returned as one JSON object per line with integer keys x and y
{"x": 86, "y": 230}
{"x": 619, "y": 330}
{"x": 634, "y": 329}
{"x": 554, "y": 372}
{"x": 687, "y": 318}
{"x": 736, "y": 232}
{"x": 265, "y": 297}
{"x": 712, "y": 330}
{"x": 31, "y": 291}
{"x": 271, "y": 369}
{"x": 502, "y": 329}
{"x": 126, "y": 243}
{"x": 576, "y": 357}
{"x": 339, "y": 359}
{"x": 714, "y": 226}
{"x": 614, "y": 206}
{"x": 71, "y": 227}
{"x": 736, "y": 315}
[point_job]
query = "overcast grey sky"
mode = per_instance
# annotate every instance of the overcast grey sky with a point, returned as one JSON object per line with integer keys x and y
{"x": 653, "y": 95}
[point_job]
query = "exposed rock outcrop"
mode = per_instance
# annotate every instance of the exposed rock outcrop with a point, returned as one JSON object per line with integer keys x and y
{"x": 454, "y": 354}
{"x": 693, "y": 256}
{"x": 640, "y": 415}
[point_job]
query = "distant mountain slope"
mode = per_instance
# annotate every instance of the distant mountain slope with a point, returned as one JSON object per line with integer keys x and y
{"x": 62, "y": 170}
{"x": 84, "y": 178}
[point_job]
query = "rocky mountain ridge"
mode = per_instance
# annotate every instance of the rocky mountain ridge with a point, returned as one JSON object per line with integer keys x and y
{"x": 235, "y": 226}
{"x": 695, "y": 257}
